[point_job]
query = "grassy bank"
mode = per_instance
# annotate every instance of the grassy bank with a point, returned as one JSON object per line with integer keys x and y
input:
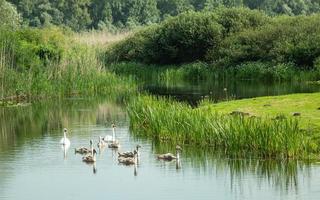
{"x": 237, "y": 135}
{"x": 308, "y": 105}
{"x": 45, "y": 63}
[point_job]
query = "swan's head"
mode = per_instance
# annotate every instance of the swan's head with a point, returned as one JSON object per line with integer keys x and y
{"x": 138, "y": 146}
{"x": 178, "y": 148}
{"x": 113, "y": 125}
{"x": 94, "y": 151}
{"x": 65, "y": 130}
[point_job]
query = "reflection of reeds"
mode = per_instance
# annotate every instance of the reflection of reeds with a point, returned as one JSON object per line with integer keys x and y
{"x": 239, "y": 136}
{"x": 281, "y": 174}
{"x": 18, "y": 124}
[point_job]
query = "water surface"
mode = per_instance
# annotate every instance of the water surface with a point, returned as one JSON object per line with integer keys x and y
{"x": 34, "y": 166}
{"x": 193, "y": 92}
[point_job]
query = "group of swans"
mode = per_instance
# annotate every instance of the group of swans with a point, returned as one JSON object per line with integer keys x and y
{"x": 127, "y": 158}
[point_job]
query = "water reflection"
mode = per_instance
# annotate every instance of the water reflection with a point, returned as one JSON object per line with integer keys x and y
{"x": 219, "y": 90}
{"x": 65, "y": 150}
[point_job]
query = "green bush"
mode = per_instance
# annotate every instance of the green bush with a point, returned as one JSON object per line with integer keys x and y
{"x": 285, "y": 40}
{"x": 185, "y": 38}
{"x": 26, "y": 48}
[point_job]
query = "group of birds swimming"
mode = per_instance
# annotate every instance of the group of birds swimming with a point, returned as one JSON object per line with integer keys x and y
{"x": 126, "y": 158}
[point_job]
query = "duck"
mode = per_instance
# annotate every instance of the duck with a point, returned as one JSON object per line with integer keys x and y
{"x": 101, "y": 143}
{"x": 129, "y": 154}
{"x": 109, "y": 138}
{"x": 90, "y": 158}
{"x": 65, "y": 141}
{"x": 129, "y": 160}
{"x": 84, "y": 150}
{"x": 170, "y": 156}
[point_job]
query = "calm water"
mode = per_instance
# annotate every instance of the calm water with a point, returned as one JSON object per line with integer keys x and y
{"x": 34, "y": 166}
{"x": 193, "y": 92}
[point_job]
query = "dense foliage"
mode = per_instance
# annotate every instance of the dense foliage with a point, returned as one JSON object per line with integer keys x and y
{"x": 225, "y": 37}
{"x": 38, "y": 63}
{"x": 111, "y": 14}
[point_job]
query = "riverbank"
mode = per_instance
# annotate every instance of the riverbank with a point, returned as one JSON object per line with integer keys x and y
{"x": 304, "y": 107}
{"x": 240, "y": 134}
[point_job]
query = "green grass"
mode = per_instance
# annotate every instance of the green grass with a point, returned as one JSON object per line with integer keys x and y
{"x": 240, "y": 136}
{"x": 272, "y": 106}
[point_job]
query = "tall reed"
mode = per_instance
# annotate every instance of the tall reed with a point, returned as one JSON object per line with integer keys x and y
{"x": 175, "y": 122}
{"x": 78, "y": 72}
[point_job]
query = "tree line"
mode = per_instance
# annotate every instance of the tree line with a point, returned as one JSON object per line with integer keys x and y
{"x": 117, "y": 14}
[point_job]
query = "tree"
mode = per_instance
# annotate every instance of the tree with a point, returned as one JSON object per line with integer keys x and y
{"x": 9, "y": 16}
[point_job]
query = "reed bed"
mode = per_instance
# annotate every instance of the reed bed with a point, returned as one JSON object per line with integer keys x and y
{"x": 79, "y": 73}
{"x": 239, "y": 136}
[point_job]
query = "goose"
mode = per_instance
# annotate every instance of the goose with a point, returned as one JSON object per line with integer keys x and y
{"x": 65, "y": 141}
{"x": 109, "y": 138}
{"x": 90, "y": 158}
{"x": 129, "y": 160}
{"x": 101, "y": 143}
{"x": 84, "y": 150}
{"x": 170, "y": 156}
{"x": 129, "y": 154}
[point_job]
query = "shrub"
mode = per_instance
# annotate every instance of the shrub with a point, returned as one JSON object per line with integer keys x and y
{"x": 185, "y": 38}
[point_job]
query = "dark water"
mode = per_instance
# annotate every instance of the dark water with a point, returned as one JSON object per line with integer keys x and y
{"x": 34, "y": 166}
{"x": 195, "y": 91}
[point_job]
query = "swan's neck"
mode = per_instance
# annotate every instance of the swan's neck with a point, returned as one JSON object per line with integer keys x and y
{"x": 178, "y": 155}
{"x": 64, "y": 135}
{"x": 113, "y": 135}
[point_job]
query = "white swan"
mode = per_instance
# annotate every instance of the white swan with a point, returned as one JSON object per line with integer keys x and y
{"x": 109, "y": 138}
{"x": 65, "y": 141}
{"x": 101, "y": 143}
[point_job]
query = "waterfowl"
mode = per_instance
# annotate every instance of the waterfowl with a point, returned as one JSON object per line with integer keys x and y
{"x": 170, "y": 156}
{"x": 129, "y": 154}
{"x": 129, "y": 160}
{"x": 109, "y": 138}
{"x": 90, "y": 158}
{"x": 84, "y": 150}
{"x": 101, "y": 143}
{"x": 114, "y": 145}
{"x": 65, "y": 141}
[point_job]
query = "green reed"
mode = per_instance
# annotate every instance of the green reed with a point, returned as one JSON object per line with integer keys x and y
{"x": 239, "y": 136}
{"x": 79, "y": 72}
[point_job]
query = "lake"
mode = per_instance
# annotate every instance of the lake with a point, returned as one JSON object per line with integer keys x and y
{"x": 34, "y": 166}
